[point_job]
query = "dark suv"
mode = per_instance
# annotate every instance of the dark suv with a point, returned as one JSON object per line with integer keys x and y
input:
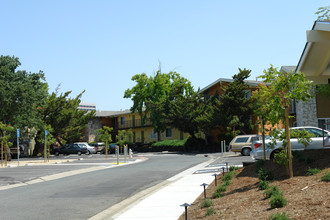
{"x": 70, "y": 149}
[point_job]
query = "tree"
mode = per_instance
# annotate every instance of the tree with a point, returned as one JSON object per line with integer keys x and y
{"x": 62, "y": 114}
{"x": 105, "y": 136}
{"x": 282, "y": 90}
{"x": 21, "y": 93}
{"x": 235, "y": 103}
{"x": 150, "y": 91}
{"x": 48, "y": 139}
{"x": 124, "y": 136}
{"x": 323, "y": 13}
{"x": 5, "y": 131}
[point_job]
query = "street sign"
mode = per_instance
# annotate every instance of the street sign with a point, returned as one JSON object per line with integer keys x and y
{"x": 45, "y": 132}
{"x": 18, "y": 132}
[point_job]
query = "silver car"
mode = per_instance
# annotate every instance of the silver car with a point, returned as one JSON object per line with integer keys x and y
{"x": 321, "y": 140}
{"x": 91, "y": 149}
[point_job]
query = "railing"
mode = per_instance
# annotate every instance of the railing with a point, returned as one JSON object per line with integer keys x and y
{"x": 133, "y": 124}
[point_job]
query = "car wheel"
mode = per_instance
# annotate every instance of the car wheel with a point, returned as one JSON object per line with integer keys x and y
{"x": 79, "y": 153}
{"x": 246, "y": 151}
{"x": 88, "y": 152}
{"x": 57, "y": 153}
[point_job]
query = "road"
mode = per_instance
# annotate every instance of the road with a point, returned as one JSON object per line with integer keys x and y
{"x": 84, "y": 195}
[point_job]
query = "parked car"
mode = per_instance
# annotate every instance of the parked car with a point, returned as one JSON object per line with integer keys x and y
{"x": 99, "y": 146}
{"x": 242, "y": 143}
{"x": 91, "y": 149}
{"x": 320, "y": 140}
{"x": 111, "y": 149}
{"x": 71, "y": 149}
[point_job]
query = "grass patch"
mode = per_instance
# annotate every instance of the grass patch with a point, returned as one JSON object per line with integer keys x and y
{"x": 312, "y": 171}
{"x": 279, "y": 216}
{"x": 210, "y": 211}
{"x": 326, "y": 177}
{"x": 207, "y": 203}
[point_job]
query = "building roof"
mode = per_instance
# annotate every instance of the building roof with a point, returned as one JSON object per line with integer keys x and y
{"x": 111, "y": 113}
{"x": 315, "y": 58}
{"x": 288, "y": 69}
{"x": 248, "y": 82}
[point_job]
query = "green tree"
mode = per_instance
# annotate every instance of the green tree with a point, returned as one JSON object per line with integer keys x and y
{"x": 124, "y": 136}
{"x": 105, "y": 136}
{"x": 48, "y": 139}
{"x": 62, "y": 114}
{"x": 5, "y": 131}
{"x": 282, "y": 90}
{"x": 323, "y": 13}
{"x": 234, "y": 103}
{"x": 150, "y": 91}
{"x": 21, "y": 93}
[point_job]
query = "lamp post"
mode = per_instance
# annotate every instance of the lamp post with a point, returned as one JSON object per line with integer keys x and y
{"x": 186, "y": 205}
{"x": 204, "y": 185}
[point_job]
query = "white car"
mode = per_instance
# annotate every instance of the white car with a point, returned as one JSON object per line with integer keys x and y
{"x": 321, "y": 140}
{"x": 91, "y": 149}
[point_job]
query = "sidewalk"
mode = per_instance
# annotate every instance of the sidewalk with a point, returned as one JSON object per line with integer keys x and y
{"x": 165, "y": 202}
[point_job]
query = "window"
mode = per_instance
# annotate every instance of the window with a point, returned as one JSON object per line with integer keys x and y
{"x": 247, "y": 94}
{"x": 168, "y": 132}
{"x": 153, "y": 135}
{"x": 122, "y": 120}
{"x": 323, "y": 122}
{"x": 242, "y": 140}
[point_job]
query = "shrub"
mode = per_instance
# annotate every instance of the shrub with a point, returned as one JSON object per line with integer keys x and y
{"x": 229, "y": 176}
{"x": 217, "y": 194}
{"x": 313, "y": 171}
{"x": 278, "y": 216}
{"x": 222, "y": 188}
{"x": 264, "y": 174}
{"x": 326, "y": 177}
{"x": 273, "y": 190}
{"x": 277, "y": 201}
{"x": 206, "y": 203}
{"x": 210, "y": 211}
{"x": 226, "y": 183}
{"x": 263, "y": 184}
{"x": 233, "y": 168}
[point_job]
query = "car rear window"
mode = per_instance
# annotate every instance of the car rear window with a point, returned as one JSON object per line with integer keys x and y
{"x": 242, "y": 140}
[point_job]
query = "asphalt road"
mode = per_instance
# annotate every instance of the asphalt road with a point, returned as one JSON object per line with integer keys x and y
{"x": 84, "y": 195}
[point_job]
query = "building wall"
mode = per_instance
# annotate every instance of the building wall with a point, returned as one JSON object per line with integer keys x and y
{"x": 306, "y": 113}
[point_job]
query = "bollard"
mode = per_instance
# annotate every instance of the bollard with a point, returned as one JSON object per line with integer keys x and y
{"x": 215, "y": 179}
{"x": 186, "y": 205}
{"x": 204, "y": 184}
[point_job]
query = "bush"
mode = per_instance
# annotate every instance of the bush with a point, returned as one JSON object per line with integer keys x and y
{"x": 222, "y": 188}
{"x": 228, "y": 176}
{"x": 263, "y": 184}
{"x": 273, "y": 190}
{"x": 326, "y": 177}
{"x": 206, "y": 203}
{"x": 210, "y": 211}
{"x": 313, "y": 171}
{"x": 277, "y": 201}
{"x": 217, "y": 195}
{"x": 278, "y": 216}
{"x": 195, "y": 144}
{"x": 265, "y": 174}
{"x": 233, "y": 168}
{"x": 226, "y": 183}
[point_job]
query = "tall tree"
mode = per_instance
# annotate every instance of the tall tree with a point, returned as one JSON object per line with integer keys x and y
{"x": 323, "y": 13}
{"x": 283, "y": 88}
{"x": 21, "y": 93}
{"x": 62, "y": 114}
{"x": 150, "y": 91}
{"x": 234, "y": 103}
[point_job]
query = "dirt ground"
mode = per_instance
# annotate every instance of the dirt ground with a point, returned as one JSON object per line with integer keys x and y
{"x": 308, "y": 197}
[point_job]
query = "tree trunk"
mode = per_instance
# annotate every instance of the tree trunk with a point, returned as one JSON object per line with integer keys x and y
{"x": 287, "y": 131}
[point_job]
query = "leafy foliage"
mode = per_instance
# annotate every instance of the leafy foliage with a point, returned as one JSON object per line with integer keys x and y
{"x": 172, "y": 143}
{"x": 206, "y": 203}
{"x": 323, "y": 13}
{"x": 326, "y": 177}
{"x": 263, "y": 184}
{"x": 273, "y": 190}
{"x": 277, "y": 201}
{"x": 313, "y": 171}
{"x": 210, "y": 211}
{"x": 21, "y": 94}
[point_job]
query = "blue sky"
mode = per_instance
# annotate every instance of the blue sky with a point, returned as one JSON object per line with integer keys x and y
{"x": 98, "y": 46}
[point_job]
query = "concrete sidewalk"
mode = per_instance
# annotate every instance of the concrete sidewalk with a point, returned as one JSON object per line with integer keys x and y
{"x": 165, "y": 201}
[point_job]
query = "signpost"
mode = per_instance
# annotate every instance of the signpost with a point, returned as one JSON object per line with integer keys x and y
{"x": 45, "y": 150}
{"x": 18, "y": 147}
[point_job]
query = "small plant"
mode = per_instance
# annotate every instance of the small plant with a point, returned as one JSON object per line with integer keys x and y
{"x": 226, "y": 183}
{"x": 233, "y": 168}
{"x": 210, "y": 211}
{"x": 313, "y": 171}
{"x": 217, "y": 194}
{"x": 222, "y": 188}
{"x": 279, "y": 216}
{"x": 326, "y": 177}
{"x": 272, "y": 191}
{"x": 277, "y": 201}
{"x": 229, "y": 176}
{"x": 263, "y": 184}
{"x": 206, "y": 203}
{"x": 265, "y": 174}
